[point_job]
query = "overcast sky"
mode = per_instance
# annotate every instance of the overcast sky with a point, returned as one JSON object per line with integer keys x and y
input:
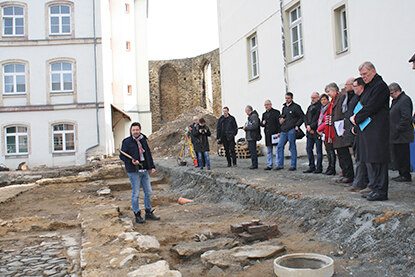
{"x": 181, "y": 28}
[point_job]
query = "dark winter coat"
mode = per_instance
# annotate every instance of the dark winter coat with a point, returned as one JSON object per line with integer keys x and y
{"x": 252, "y": 129}
{"x": 227, "y": 128}
{"x": 130, "y": 146}
{"x": 348, "y": 136}
{"x": 272, "y": 125}
{"x": 200, "y": 135}
{"x": 401, "y": 128}
{"x": 311, "y": 118}
{"x": 336, "y": 116}
{"x": 293, "y": 115}
{"x": 374, "y": 139}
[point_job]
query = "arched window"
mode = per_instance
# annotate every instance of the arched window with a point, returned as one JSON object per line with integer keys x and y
{"x": 61, "y": 77}
{"x": 63, "y": 135}
{"x": 14, "y": 79}
{"x": 16, "y": 140}
{"x": 13, "y": 21}
{"x": 60, "y": 20}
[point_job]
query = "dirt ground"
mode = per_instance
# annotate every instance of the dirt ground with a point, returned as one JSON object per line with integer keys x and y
{"x": 46, "y": 214}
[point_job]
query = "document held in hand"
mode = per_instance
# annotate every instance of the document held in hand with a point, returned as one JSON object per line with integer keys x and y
{"x": 339, "y": 126}
{"x": 366, "y": 122}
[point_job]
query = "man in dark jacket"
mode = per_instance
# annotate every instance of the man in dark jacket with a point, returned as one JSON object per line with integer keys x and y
{"x": 401, "y": 131}
{"x": 201, "y": 133}
{"x": 137, "y": 169}
{"x": 252, "y": 135}
{"x": 310, "y": 121}
{"x": 225, "y": 134}
{"x": 270, "y": 122}
{"x": 350, "y": 135}
{"x": 374, "y": 139}
{"x": 291, "y": 119}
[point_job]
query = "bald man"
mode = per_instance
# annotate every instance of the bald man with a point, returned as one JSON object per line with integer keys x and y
{"x": 313, "y": 138}
{"x": 270, "y": 122}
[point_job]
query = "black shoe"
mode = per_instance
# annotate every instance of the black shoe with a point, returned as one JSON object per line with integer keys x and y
{"x": 278, "y": 168}
{"x": 318, "y": 171}
{"x": 309, "y": 171}
{"x": 376, "y": 197}
{"x": 402, "y": 179}
{"x": 330, "y": 172}
{"x": 150, "y": 215}
{"x": 253, "y": 167}
{"x": 208, "y": 168}
{"x": 229, "y": 165}
{"x": 235, "y": 165}
{"x": 292, "y": 169}
{"x": 268, "y": 168}
{"x": 138, "y": 218}
{"x": 396, "y": 178}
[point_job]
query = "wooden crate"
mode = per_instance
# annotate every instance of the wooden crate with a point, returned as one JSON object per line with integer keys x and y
{"x": 242, "y": 151}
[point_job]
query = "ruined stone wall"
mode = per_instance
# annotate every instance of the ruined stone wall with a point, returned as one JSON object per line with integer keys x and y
{"x": 179, "y": 85}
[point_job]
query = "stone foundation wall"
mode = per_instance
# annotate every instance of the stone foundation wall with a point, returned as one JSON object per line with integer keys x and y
{"x": 179, "y": 85}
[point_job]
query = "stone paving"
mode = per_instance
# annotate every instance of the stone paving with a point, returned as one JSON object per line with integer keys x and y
{"x": 42, "y": 256}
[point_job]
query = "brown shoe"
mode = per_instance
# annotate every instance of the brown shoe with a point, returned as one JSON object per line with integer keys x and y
{"x": 365, "y": 191}
{"x": 354, "y": 189}
{"x": 344, "y": 180}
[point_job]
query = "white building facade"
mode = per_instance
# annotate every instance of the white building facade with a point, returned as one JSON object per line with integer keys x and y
{"x": 70, "y": 83}
{"x": 270, "y": 46}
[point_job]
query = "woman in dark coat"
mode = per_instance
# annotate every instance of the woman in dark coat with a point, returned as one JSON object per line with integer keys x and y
{"x": 323, "y": 124}
{"x": 201, "y": 133}
{"x": 341, "y": 146}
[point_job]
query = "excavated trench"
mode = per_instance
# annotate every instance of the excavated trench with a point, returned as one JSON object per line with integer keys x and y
{"x": 63, "y": 227}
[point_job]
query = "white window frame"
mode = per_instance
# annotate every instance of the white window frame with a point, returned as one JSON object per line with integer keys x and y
{"x": 296, "y": 23}
{"x": 17, "y": 136}
{"x": 61, "y": 74}
{"x": 64, "y": 133}
{"x": 14, "y": 75}
{"x": 253, "y": 55}
{"x": 343, "y": 30}
{"x": 60, "y": 16}
{"x": 14, "y": 18}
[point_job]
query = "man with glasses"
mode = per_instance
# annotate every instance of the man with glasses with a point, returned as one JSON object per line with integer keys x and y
{"x": 271, "y": 124}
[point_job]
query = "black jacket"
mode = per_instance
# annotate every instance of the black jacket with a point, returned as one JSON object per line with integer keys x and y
{"x": 272, "y": 125}
{"x": 130, "y": 146}
{"x": 401, "y": 128}
{"x": 374, "y": 139}
{"x": 311, "y": 118}
{"x": 348, "y": 136}
{"x": 252, "y": 128}
{"x": 200, "y": 135}
{"x": 294, "y": 116}
{"x": 227, "y": 128}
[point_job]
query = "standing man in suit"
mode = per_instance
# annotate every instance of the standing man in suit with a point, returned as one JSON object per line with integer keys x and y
{"x": 374, "y": 138}
{"x": 225, "y": 134}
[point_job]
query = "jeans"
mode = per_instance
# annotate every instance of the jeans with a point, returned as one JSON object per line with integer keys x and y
{"x": 289, "y": 136}
{"x": 137, "y": 180}
{"x": 200, "y": 156}
{"x": 270, "y": 155}
{"x": 253, "y": 151}
{"x": 310, "y": 154}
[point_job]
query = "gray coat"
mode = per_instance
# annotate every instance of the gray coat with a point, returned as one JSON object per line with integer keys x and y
{"x": 401, "y": 129}
{"x": 252, "y": 127}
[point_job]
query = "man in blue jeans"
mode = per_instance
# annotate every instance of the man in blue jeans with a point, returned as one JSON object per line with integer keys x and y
{"x": 291, "y": 119}
{"x": 137, "y": 169}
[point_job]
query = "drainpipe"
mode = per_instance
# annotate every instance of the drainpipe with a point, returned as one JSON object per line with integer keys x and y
{"x": 95, "y": 82}
{"x": 284, "y": 52}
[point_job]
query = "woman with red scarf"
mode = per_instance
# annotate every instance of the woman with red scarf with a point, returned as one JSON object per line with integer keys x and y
{"x": 325, "y": 125}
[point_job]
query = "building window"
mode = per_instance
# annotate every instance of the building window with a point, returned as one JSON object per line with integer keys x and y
{"x": 253, "y": 57}
{"x": 127, "y": 8}
{"x": 61, "y": 77}
{"x": 14, "y": 79}
{"x": 130, "y": 89}
{"x": 296, "y": 33}
{"x": 341, "y": 29}
{"x": 16, "y": 140}
{"x": 13, "y": 21}
{"x": 63, "y": 138}
{"x": 128, "y": 45}
{"x": 60, "y": 20}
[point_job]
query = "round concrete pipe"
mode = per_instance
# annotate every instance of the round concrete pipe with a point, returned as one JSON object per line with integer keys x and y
{"x": 304, "y": 265}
